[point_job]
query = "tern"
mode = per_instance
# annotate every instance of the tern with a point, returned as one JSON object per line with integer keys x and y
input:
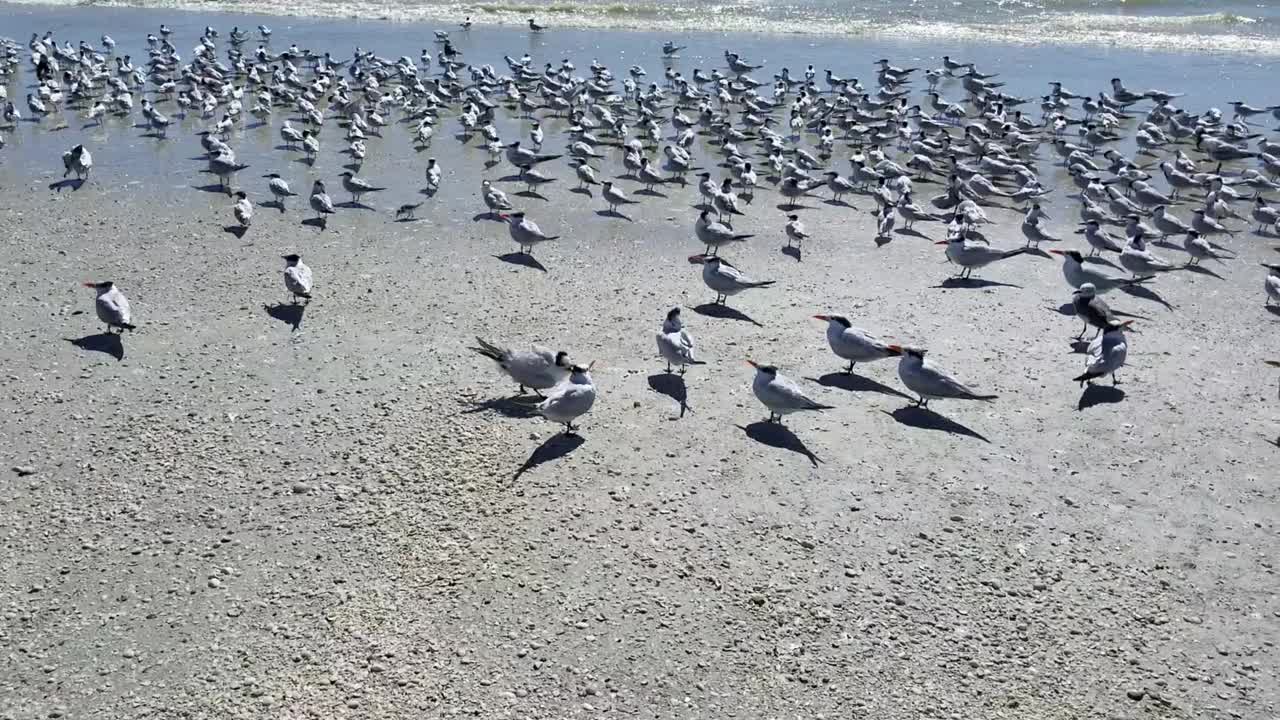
{"x": 1076, "y": 274}
{"x": 526, "y": 232}
{"x": 674, "y": 344}
{"x": 297, "y": 277}
{"x": 614, "y": 196}
{"x": 570, "y": 400}
{"x": 1091, "y": 309}
{"x": 853, "y": 344}
{"x": 357, "y": 186}
{"x": 243, "y": 209}
{"x": 494, "y": 199}
{"x": 1200, "y": 249}
{"x": 112, "y": 306}
{"x": 971, "y": 255}
{"x": 77, "y": 160}
{"x": 724, "y": 278}
{"x": 536, "y": 368}
{"x": 795, "y": 231}
{"x": 1138, "y": 260}
{"x": 1101, "y": 240}
{"x": 320, "y": 201}
{"x": 928, "y": 381}
{"x": 1272, "y": 282}
{"x": 433, "y": 175}
{"x": 1106, "y": 354}
{"x": 715, "y": 234}
{"x": 279, "y": 188}
{"x": 524, "y": 157}
{"x": 780, "y": 394}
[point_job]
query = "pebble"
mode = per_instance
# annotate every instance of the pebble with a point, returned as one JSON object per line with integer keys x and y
{"x": 24, "y": 470}
{"x": 301, "y": 488}
{"x": 1136, "y": 693}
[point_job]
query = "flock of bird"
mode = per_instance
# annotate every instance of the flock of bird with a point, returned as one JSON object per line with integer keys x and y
{"x": 1197, "y": 176}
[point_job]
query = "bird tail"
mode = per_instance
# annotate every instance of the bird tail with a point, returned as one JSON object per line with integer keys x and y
{"x": 545, "y": 158}
{"x": 696, "y": 362}
{"x": 762, "y": 283}
{"x": 987, "y": 398}
{"x": 1090, "y": 375}
{"x": 129, "y": 326}
{"x": 1019, "y": 251}
{"x": 489, "y": 350}
{"x": 820, "y": 406}
{"x": 554, "y": 237}
{"x": 306, "y": 295}
{"x": 742, "y": 237}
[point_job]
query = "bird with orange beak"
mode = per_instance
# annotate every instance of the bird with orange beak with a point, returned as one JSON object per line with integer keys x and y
{"x": 779, "y": 393}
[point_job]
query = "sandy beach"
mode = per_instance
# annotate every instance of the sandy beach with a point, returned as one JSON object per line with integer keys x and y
{"x": 223, "y": 515}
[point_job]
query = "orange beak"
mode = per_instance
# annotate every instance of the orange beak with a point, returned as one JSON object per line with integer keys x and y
{"x": 89, "y": 284}
{"x": 941, "y": 242}
{"x": 895, "y": 349}
{"x": 821, "y": 317}
{"x": 1057, "y": 252}
{"x": 752, "y": 363}
{"x": 697, "y": 259}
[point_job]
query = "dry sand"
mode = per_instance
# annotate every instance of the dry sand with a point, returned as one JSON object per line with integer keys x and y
{"x": 241, "y": 520}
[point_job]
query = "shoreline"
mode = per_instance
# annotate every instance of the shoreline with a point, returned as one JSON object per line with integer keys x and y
{"x": 1071, "y": 30}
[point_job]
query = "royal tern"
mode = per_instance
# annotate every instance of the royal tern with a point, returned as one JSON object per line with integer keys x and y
{"x": 674, "y": 344}
{"x": 279, "y": 189}
{"x": 570, "y": 400}
{"x": 1106, "y": 354}
{"x": 243, "y": 209}
{"x": 494, "y": 199}
{"x": 853, "y": 344}
{"x": 77, "y": 160}
{"x": 1138, "y": 260}
{"x": 526, "y": 232}
{"x": 794, "y": 230}
{"x": 1091, "y": 309}
{"x": 724, "y": 278}
{"x": 780, "y": 394}
{"x": 357, "y": 186}
{"x": 1200, "y": 249}
{"x": 536, "y": 368}
{"x": 969, "y": 256}
{"x": 112, "y": 306}
{"x": 1272, "y": 282}
{"x": 925, "y": 379}
{"x": 297, "y": 277}
{"x": 320, "y": 201}
{"x": 715, "y": 234}
{"x": 1076, "y": 274}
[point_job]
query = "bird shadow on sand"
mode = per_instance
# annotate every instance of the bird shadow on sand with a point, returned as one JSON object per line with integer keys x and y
{"x": 1202, "y": 270}
{"x": 650, "y": 193}
{"x": 555, "y": 447}
{"x": 1099, "y": 260}
{"x": 273, "y": 204}
{"x": 776, "y": 435}
{"x": 109, "y": 343}
{"x": 493, "y": 217}
{"x": 522, "y": 259}
{"x": 926, "y": 419}
{"x": 613, "y": 214}
{"x": 212, "y": 188}
{"x": 319, "y": 223}
{"x": 912, "y": 232}
{"x": 724, "y": 312}
{"x": 237, "y": 230}
{"x": 73, "y": 183}
{"x": 851, "y": 382}
{"x": 794, "y": 208}
{"x": 1099, "y": 395}
{"x": 791, "y": 251}
{"x": 1274, "y": 310}
{"x": 1146, "y": 294}
{"x": 972, "y": 283}
{"x": 838, "y": 203}
{"x": 288, "y": 313}
{"x": 882, "y": 240}
{"x": 672, "y": 385}
{"x": 516, "y": 406}
{"x": 354, "y": 205}
{"x": 510, "y": 178}
{"x": 532, "y": 194}
{"x": 582, "y": 191}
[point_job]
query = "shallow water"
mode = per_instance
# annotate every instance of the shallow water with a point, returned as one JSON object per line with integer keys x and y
{"x": 168, "y": 168}
{"x": 1238, "y": 26}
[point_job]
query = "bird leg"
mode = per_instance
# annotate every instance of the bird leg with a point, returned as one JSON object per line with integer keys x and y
{"x": 1114, "y": 380}
{"x": 849, "y": 370}
{"x": 682, "y": 369}
{"x": 668, "y": 368}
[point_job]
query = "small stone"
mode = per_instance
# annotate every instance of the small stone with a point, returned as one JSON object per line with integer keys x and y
{"x": 757, "y": 599}
{"x": 1136, "y": 693}
{"x": 24, "y": 470}
{"x": 215, "y": 583}
{"x": 301, "y": 488}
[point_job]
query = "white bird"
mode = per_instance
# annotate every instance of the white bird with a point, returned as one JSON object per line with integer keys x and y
{"x": 724, "y": 278}
{"x": 853, "y": 344}
{"x": 494, "y": 199}
{"x": 927, "y": 380}
{"x": 112, "y": 306}
{"x": 795, "y": 231}
{"x": 433, "y": 175}
{"x": 1106, "y": 354}
{"x": 674, "y": 344}
{"x": 526, "y": 232}
{"x": 715, "y": 234}
{"x": 570, "y": 400}
{"x": 243, "y": 209}
{"x": 780, "y": 394}
{"x": 297, "y": 277}
{"x": 1076, "y": 274}
{"x": 279, "y": 189}
{"x": 77, "y": 160}
{"x": 1272, "y": 282}
{"x": 614, "y": 196}
{"x": 320, "y": 201}
{"x": 970, "y": 256}
{"x": 536, "y": 368}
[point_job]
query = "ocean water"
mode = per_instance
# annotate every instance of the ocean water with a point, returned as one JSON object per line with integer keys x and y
{"x": 1236, "y": 26}
{"x": 169, "y": 169}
